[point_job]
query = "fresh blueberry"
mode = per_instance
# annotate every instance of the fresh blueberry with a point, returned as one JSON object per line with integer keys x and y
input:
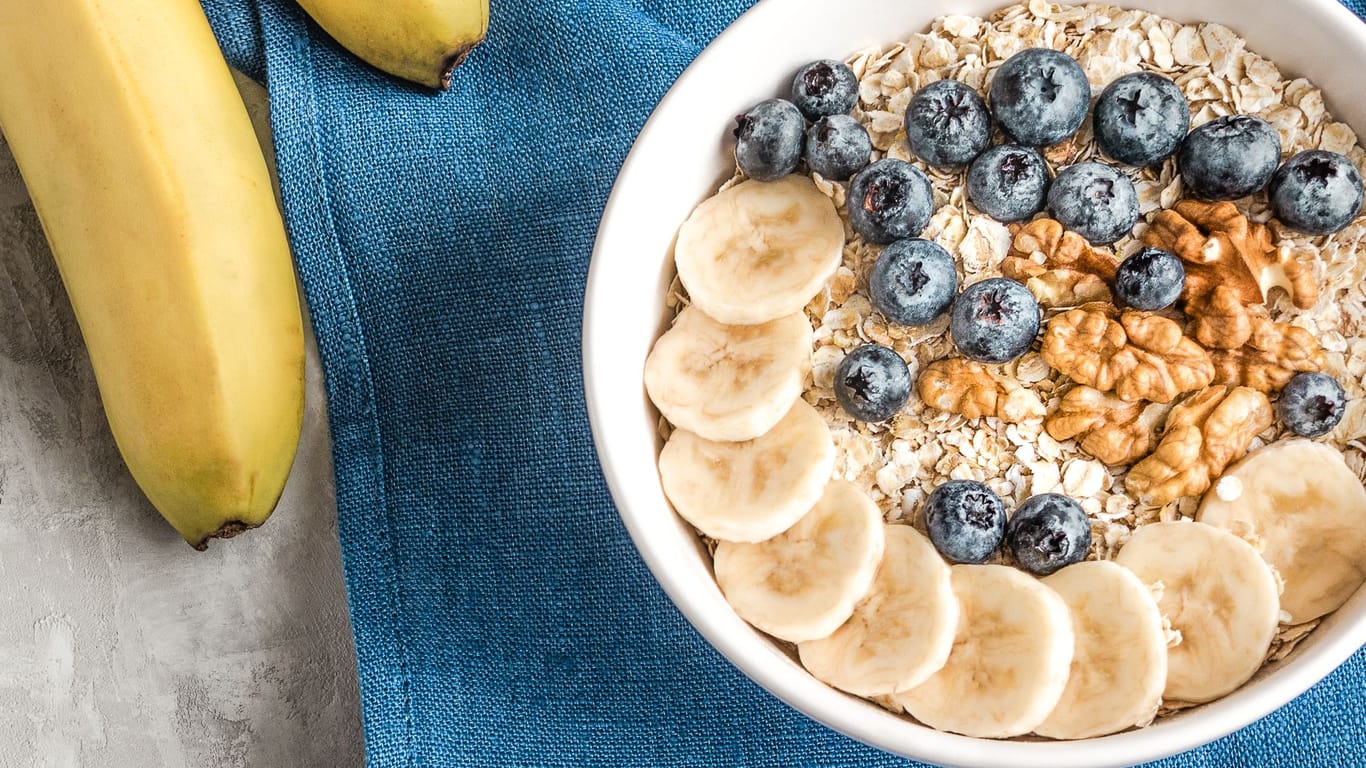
{"x": 947, "y": 124}
{"x": 1316, "y": 192}
{"x": 768, "y": 140}
{"x": 1048, "y": 532}
{"x": 1229, "y": 157}
{"x": 994, "y": 320}
{"x": 1311, "y": 404}
{"x": 825, "y": 87}
{"x": 890, "y": 200}
{"x": 1141, "y": 118}
{"x": 1040, "y": 96}
{"x": 1094, "y": 200}
{"x": 872, "y": 383}
{"x": 1150, "y": 279}
{"x": 913, "y": 281}
{"x": 966, "y": 521}
{"x": 837, "y": 147}
{"x": 1008, "y": 182}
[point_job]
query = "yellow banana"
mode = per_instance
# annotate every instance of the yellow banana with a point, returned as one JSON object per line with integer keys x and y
{"x": 417, "y": 40}
{"x": 155, "y": 197}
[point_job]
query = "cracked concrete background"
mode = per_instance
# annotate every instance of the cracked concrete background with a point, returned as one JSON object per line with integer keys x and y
{"x": 120, "y": 647}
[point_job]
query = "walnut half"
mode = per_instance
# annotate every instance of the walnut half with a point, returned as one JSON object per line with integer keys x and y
{"x": 1204, "y": 434}
{"x": 1222, "y": 247}
{"x": 1273, "y": 354}
{"x": 1115, "y": 431}
{"x": 968, "y": 389}
{"x": 1140, "y": 356}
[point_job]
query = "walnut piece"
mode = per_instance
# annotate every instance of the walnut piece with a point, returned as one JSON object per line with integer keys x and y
{"x": 1115, "y": 431}
{"x": 1140, "y": 356}
{"x": 1059, "y": 267}
{"x": 1273, "y": 354}
{"x": 1204, "y": 434}
{"x": 1221, "y": 247}
{"x": 1220, "y": 319}
{"x": 967, "y": 388}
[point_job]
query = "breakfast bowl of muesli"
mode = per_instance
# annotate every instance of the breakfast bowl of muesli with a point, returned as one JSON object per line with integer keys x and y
{"x": 987, "y": 381}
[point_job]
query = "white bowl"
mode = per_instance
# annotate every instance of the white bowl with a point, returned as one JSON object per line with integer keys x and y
{"x": 680, "y": 158}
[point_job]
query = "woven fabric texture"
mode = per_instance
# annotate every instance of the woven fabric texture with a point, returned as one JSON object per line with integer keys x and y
{"x": 501, "y": 614}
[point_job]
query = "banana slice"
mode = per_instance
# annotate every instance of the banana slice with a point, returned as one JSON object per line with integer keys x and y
{"x": 753, "y": 490}
{"x": 1010, "y": 657}
{"x": 1218, "y": 593}
{"x": 804, "y": 583}
{"x": 1120, "y": 664}
{"x": 902, "y": 631}
{"x": 759, "y": 250}
{"x": 728, "y": 382}
{"x": 1307, "y": 509}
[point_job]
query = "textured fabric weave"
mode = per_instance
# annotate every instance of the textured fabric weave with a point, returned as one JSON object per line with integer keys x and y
{"x": 501, "y": 615}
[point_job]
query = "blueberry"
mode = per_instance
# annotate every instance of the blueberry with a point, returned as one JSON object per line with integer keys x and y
{"x": 768, "y": 140}
{"x": 947, "y": 124}
{"x": 872, "y": 383}
{"x": 837, "y": 147}
{"x": 1150, "y": 279}
{"x": 1311, "y": 404}
{"x": 1048, "y": 532}
{"x": 1316, "y": 192}
{"x": 825, "y": 87}
{"x": 1229, "y": 157}
{"x": 1008, "y": 183}
{"x": 995, "y": 320}
{"x": 913, "y": 281}
{"x": 966, "y": 521}
{"x": 1040, "y": 96}
{"x": 1141, "y": 118}
{"x": 890, "y": 200}
{"x": 1094, "y": 200}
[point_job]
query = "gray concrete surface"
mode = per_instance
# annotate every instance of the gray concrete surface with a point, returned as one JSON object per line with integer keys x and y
{"x": 120, "y": 647}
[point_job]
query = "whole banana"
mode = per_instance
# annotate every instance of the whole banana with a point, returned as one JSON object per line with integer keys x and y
{"x": 417, "y": 40}
{"x": 156, "y": 200}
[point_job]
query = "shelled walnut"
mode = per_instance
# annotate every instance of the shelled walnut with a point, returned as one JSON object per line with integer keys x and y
{"x": 1204, "y": 434}
{"x": 1221, "y": 247}
{"x": 1059, "y": 267}
{"x": 1139, "y": 356}
{"x": 968, "y": 389}
{"x": 1114, "y": 431}
{"x": 1273, "y": 354}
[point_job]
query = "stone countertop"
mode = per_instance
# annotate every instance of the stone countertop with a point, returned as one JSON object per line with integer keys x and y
{"x": 121, "y": 647}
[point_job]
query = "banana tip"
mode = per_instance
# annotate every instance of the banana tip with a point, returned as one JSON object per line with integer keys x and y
{"x": 226, "y": 531}
{"x": 454, "y": 60}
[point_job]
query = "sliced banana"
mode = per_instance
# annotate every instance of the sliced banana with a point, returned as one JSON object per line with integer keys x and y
{"x": 901, "y": 632}
{"x": 1218, "y": 593}
{"x": 752, "y": 490}
{"x": 804, "y": 583}
{"x": 1307, "y": 510}
{"x": 1010, "y": 658}
{"x": 728, "y": 382}
{"x": 1119, "y": 667}
{"x": 760, "y": 249}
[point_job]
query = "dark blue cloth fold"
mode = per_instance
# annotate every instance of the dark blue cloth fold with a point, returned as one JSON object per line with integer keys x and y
{"x": 501, "y": 615}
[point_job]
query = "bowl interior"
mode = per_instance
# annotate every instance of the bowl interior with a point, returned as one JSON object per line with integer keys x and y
{"x": 681, "y": 157}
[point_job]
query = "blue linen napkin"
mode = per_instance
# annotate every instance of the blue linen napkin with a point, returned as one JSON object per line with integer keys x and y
{"x": 501, "y": 614}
